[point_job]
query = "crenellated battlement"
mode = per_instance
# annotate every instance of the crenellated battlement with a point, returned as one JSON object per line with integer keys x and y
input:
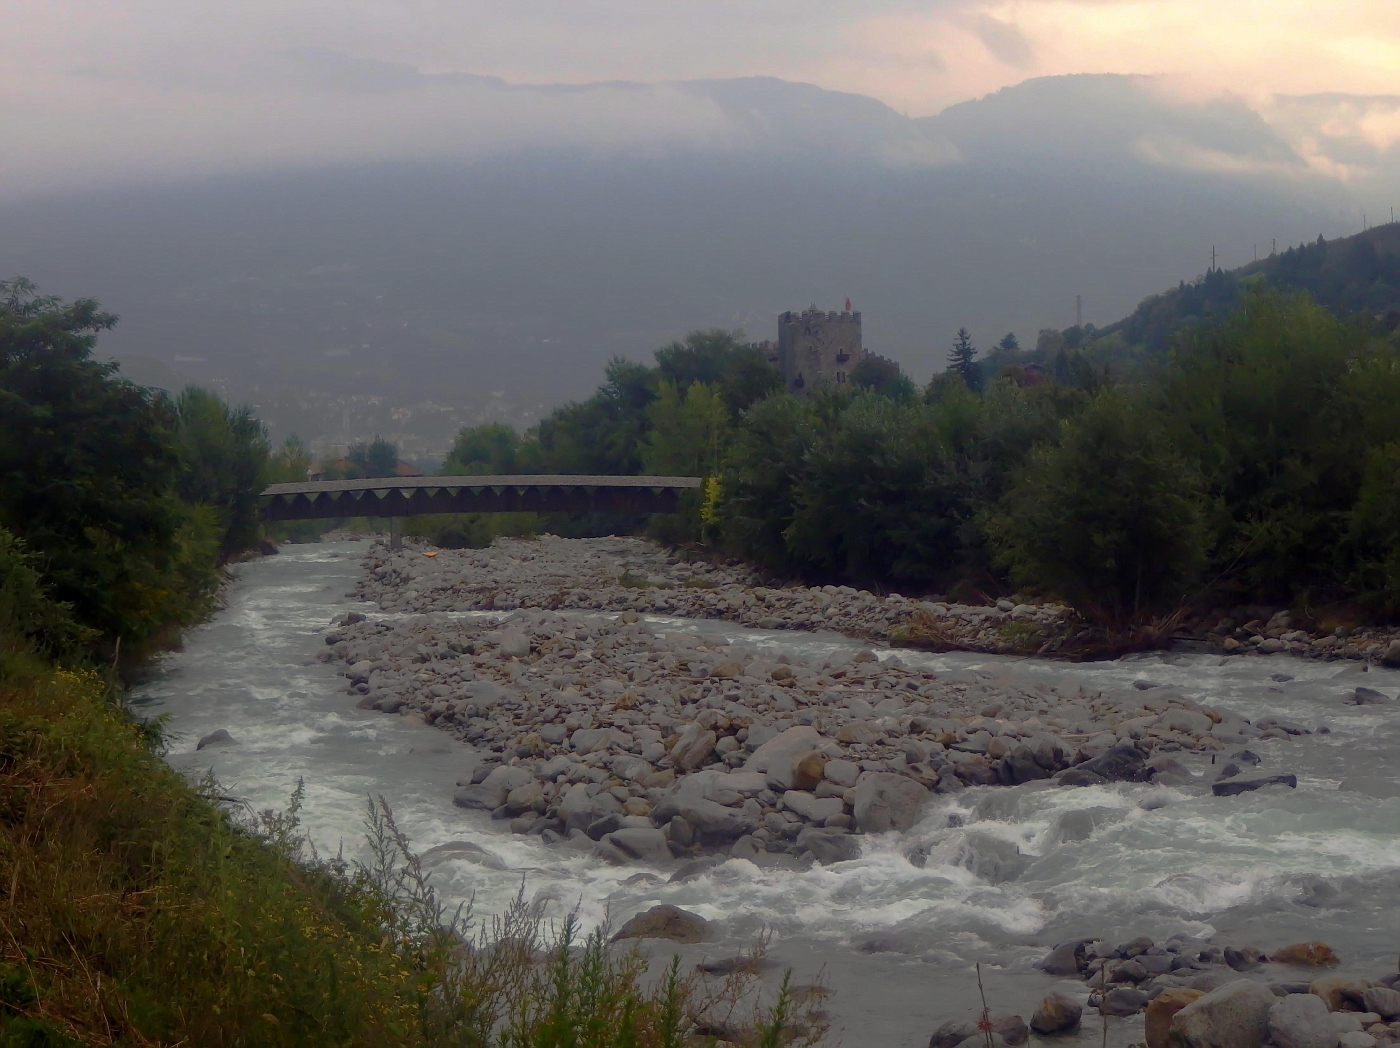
{"x": 818, "y": 347}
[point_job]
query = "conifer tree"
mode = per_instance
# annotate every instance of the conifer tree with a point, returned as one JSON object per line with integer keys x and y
{"x": 962, "y": 359}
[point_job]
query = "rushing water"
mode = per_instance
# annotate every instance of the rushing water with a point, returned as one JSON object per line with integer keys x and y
{"x": 895, "y": 939}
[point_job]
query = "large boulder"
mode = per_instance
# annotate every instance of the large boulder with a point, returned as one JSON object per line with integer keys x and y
{"x": 1119, "y": 763}
{"x": 952, "y": 1033}
{"x": 1160, "y": 1012}
{"x": 1384, "y": 1001}
{"x": 1234, "y": 1016}
{"x": 666, "y": 922}
{"x": 779, "y": 756}
{"x": 1337, "y": 990}
{"x": 1123, "y": 1001}
{"x": 1065, "y": 959}
{"x": 828, "y": 845}
{"x": 493, "y": 791}
{"x": 813, "y": 809}
{"x": 641, "y": 843}
{"x": 694, "y": 748}
{"x": 1312, "y": 954}
{"x": 1301, "y": 1020}
{"x": 1057, "y": 1014}
{"x": 885, "y": 801}
{"x": 1391, "y": 657}
{"x": 221, "y": 737}
{"x": 1234, "y": 787}
{"x": 710, "y": 819}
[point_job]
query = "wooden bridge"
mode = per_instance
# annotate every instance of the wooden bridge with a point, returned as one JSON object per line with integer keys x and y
{"x": 412, "y": 496}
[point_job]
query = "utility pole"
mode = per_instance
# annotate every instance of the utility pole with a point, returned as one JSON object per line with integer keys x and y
{"x": 1212, "y": 256}
{"x": 1079, "y": 311}
{"x": 1273, "y": 246}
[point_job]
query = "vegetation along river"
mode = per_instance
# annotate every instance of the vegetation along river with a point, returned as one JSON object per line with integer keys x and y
{"x": 991, "y": 874}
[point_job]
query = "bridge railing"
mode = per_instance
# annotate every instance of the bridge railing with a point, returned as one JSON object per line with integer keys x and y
{"x": 528, "y": 493}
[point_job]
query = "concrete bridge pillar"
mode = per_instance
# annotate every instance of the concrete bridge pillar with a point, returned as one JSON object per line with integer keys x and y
{"x": 396, "y": 533}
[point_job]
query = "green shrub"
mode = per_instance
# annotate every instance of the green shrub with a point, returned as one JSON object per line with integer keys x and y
{"x": 1110, "y": 518}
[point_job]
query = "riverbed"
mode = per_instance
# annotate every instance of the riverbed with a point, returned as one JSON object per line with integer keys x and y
{"x": 896, "y": 940}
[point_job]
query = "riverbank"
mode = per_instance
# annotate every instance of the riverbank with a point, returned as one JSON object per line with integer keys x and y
{"x": 627, "y": 574}
{"x": 996, "y": 875}
{"x": 645, "y": 743}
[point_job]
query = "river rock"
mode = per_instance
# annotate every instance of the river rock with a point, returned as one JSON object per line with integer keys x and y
{"x": 666, "y": 922}
{"x": 813, "y": 809}
{"x": 529, "y": 797}
{"x": 641, "y": 843}
{"x": 841, "y": 772}
{"x": 515, "y": 643}
{"x": 1011, "y": 1030}
{"x": 1356, "y": 1039}
{"x": 1391, "y": 657}
{"x": 1367, "y": 697}
{"x": 1168, "y": 771}
{"x": 952, "y": 1033}
{"x": 1234, "y": 1016}
{"x": 1160, "y": 1011}
{"x": 1384, "y": 1001}
{"x": 884, "y": 801}
{"x": 494, "y": 789}
{"x": 221, "y": 737}
{"x": 1301, "y": 1020}
{"x": 1187, "y": 722}
{"x": 991, "y": 858}
{"x": 693, "y": 748}
{"x": 1235, "y": 787}
{"x": 1057, "y": 1013}
{"x": 1337, "y": 990}
{"x": 1120, "y": 763}
{"x": 464, "y": 851}
{"x": 828, "y": 845}
{"x": 1311, "y": 954}
{"x": 778, "y": 757}
{"x": 1123, "y": 1001}
{"x": 709, "y": 818}
{"x": 1068, "y": 958}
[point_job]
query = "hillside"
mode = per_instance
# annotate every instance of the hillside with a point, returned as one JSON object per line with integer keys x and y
{"x": 1350, "y": 276}
{"x": 411, "y": 298}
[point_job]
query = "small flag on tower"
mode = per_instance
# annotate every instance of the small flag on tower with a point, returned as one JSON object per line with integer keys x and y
{"x": 848, "y": 305}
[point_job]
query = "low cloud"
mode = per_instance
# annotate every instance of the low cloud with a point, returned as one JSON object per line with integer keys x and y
{"x": 1005, "y": 41}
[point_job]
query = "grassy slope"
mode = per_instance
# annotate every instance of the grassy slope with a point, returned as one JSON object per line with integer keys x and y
{"x": 133, "y": 912}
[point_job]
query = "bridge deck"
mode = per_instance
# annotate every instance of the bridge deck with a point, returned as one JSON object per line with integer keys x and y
{"x": 413, "y": 496}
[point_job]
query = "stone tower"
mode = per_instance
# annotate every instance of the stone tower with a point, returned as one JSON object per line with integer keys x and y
{"x": 816, "y": 347}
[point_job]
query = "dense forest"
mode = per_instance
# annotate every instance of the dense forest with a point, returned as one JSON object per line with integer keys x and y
{"x": 1258, "y": 459}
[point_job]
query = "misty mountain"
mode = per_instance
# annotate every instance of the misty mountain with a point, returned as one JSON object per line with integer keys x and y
{"x": 408, "y": 298}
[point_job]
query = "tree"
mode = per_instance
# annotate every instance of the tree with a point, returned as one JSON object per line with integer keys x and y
{"x": 962, "y": 360}
{"x": 883, "y": 377}
{"x": 740, "y": 374}
{"x": 376, "y": 458}
{"x": 289, "y": 464}
{"x": 1009, "y": 343}
{"x": 223, "y": 465}
{"x": 491, "y": 448}
{"x": 88, "y": 471}
{"x": 689, "y": 432}
{"x": 1112, "y": 517}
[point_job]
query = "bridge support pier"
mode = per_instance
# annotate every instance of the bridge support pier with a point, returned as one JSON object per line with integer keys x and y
{"x": 396, "y": 533}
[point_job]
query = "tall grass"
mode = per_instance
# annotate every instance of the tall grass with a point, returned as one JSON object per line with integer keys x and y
{"x": 135, "y": 910}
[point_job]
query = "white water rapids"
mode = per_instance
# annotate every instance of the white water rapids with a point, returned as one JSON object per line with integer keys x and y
{"x": 896, "y": 939}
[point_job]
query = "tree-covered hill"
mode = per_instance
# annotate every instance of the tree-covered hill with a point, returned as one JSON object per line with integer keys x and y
{"x": 1351, "y": 277}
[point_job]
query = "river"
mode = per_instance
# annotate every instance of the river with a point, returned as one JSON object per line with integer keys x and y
{"x": 893, "y": 939}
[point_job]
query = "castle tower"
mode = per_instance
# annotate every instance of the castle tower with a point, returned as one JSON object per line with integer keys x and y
{"x": 816, "y": 347}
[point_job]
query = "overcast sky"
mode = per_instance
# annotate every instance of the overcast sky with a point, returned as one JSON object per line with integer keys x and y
{"x": 109, "y": 90}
